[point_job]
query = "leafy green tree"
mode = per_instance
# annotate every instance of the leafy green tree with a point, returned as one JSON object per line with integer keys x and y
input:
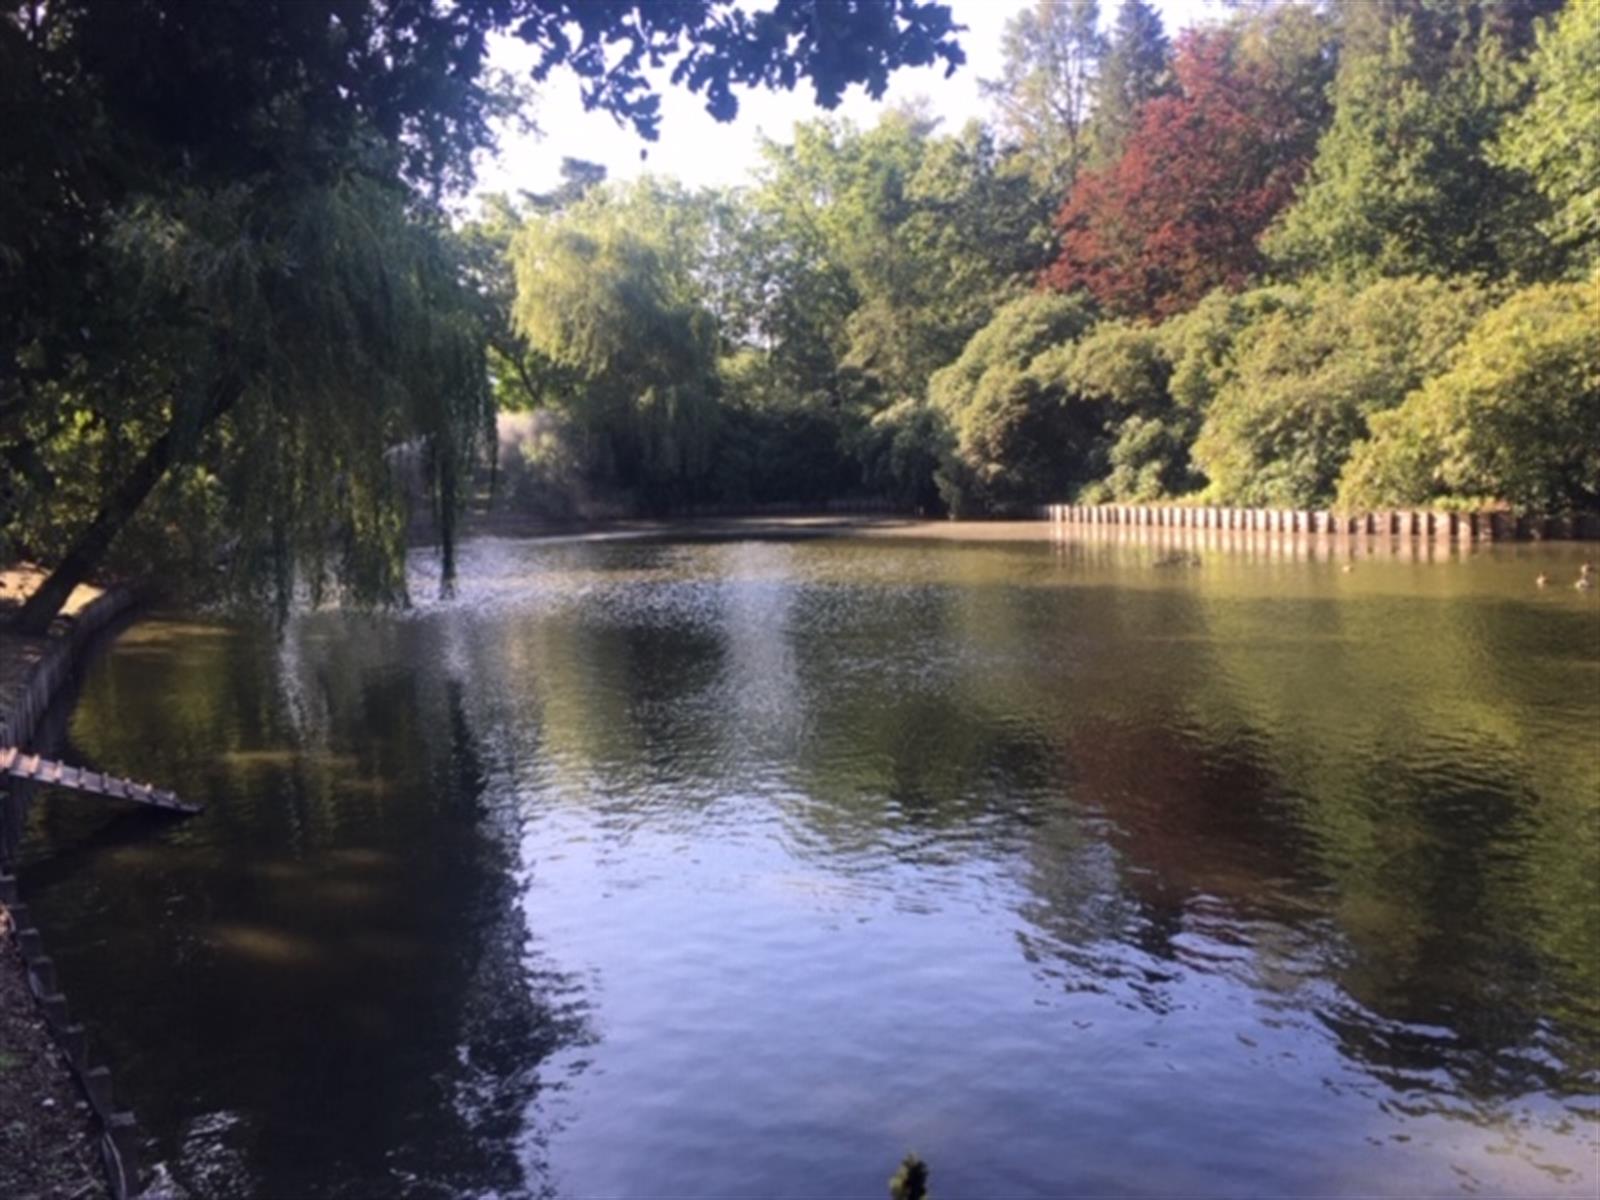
{"x": 915, "y": 235}
{"x": 485, "y": 244}
{"x": 1552, "y": 140}
{"x": 1303, "y": 379}
{"x": 273, "y": 349}
{"x": 1514, "y": 419}
{"x": 872, "y": 256}
{"x": 956, "y": 244}
{"x": 912, "y": 441}
{"x": 608, "y": 300}
{"x": 770, "y": 448}
{"x": 1199, "y": 343}
{"x": 1017, "y": 438}
{"x": 1126, "y": 370}
{"x": 1403, "y": 181}
{"x": 1051, "y": 54}
{"x": 1134, "y": 70}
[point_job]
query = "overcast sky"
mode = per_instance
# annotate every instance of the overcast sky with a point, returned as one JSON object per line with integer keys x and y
{"x": 701, "y": 151}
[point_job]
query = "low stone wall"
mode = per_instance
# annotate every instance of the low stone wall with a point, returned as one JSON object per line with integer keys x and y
{"x": 36, "y": 670}
{"x": 1496, "y": 525}
{"x": 47, "y": 663}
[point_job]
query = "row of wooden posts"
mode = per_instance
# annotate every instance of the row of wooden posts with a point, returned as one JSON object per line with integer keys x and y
{"x": 1491, "y": 525}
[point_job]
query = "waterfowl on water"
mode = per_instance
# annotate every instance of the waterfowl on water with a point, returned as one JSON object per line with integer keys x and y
{"x": 1583, "y": 584}
{"x": 1347, "y": 568}
{"x": 1541, "y": 580}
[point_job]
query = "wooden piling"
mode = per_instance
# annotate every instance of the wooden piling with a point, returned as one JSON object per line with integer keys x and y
{"x": 1426, "y": 524}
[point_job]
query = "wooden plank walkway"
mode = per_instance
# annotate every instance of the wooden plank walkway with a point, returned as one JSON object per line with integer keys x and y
{"x": 53, "y": 773}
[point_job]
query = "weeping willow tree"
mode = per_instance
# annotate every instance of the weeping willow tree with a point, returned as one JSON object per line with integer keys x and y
{"x": 609, "y": 302}
{"x": 306, "y": 335}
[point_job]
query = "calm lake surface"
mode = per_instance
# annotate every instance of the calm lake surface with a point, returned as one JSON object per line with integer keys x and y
{"x": 740, "y": 868}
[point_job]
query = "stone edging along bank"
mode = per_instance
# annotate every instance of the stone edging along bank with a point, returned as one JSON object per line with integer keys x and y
{"x": 21, "y": 712}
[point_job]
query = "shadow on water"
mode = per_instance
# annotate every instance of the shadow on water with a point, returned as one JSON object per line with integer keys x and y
{"x": 319, "y": 983}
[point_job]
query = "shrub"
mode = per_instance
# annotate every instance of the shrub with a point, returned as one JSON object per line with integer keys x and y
{"x": 1515, "y": 418}
{"x": 1305, "y": 377}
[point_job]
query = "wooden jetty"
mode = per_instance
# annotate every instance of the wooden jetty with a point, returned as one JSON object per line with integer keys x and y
{"x": 53, "y": 773}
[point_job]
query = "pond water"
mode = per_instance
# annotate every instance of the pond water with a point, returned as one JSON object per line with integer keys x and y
{"x": 743, "y": 867}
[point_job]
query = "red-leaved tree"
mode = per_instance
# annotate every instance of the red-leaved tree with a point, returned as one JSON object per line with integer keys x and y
{"x": 1204, "y": 173}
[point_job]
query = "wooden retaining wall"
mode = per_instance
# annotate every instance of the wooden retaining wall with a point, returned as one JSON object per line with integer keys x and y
{"x": 1417, "y": 523}
{"x": 48, "y": 664}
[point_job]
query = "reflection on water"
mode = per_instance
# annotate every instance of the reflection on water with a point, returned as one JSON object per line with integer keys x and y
{"x": 741, "y": 868}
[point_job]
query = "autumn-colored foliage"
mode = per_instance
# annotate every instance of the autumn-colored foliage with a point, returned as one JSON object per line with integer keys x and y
{"x": 1202, "y": 176}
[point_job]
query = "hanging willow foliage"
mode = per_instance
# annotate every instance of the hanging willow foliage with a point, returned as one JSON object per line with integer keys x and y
{"x": 608, "y": 301}
{"x": 314, "y": 340}
{"x": 367, "y": 346}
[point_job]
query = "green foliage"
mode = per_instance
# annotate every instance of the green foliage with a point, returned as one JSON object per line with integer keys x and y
{"x": 514, "y": 369}
{"x": 1051, "y": 55}
{"x": 302, "y": 338}
{"x": 1547, "y": 140}
{"x": 770, "y": 450}
{"x": 1125, "y": 369}
{"x": 1020, "y": 332}
{"x": 825, "y": 297}
{"x": 1514, "y": 419}
{"x": 225, "y": 269}
{"x": 911, "y": 441}
{"x": 1135, "y": 69}
{"x": 860, "y": 264}
{"x": 1016, "y": 438}
{"x": 1403, "y": 182}
{"x": 914, "y": 237}
{"x": 188, "y": 231}
{"x": 608, "y": 299}
{"x": 1199, "y": 344}
{"x": 1302, "y": 380}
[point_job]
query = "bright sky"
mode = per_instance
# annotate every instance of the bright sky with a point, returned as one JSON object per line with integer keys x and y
{"x": 701, "y": 151}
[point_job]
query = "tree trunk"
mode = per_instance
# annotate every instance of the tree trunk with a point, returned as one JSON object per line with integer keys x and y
{"x": 86, "y": 554}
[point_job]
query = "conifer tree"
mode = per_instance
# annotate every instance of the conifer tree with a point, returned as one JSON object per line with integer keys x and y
{"x": 1044, "y": 94}
{"x": 1135, "y": 68}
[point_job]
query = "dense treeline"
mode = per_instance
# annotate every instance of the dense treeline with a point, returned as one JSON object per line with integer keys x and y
{"x": 1310, "y": 254}
{"x": 235, "y": 305}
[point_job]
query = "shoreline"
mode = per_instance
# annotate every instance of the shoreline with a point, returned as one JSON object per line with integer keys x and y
{"x": 62, "y": 1141}
{"x": 1328, "y": 544}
